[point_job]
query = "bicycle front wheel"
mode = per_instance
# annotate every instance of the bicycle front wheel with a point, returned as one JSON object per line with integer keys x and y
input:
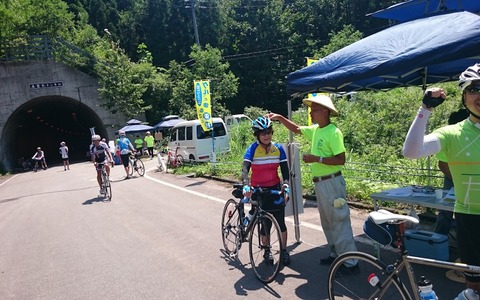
{"x": 360, "y": 283}
{"x": 140, "y": 167}
{"x": 265, "y": 247}
{"x": 231, "y": 227}
{"x": 107, "y": 186}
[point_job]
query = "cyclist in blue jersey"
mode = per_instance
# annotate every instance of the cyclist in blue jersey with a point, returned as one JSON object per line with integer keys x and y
{"x": 100, "y": 156}
{"x": 264, "y": 157}
{"x": 125, "y": 147}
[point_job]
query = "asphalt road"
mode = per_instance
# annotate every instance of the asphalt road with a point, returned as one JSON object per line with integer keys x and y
{"x": 159, "y": 238}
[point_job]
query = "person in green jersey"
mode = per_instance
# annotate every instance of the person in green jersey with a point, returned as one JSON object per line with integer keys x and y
{"x": 459, "y": 146}
{"x": 150, "y": 141}
{"x": 138, "y": 142}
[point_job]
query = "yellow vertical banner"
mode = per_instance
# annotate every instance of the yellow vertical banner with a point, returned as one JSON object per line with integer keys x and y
{"x": 202, "y": 102}
{"x": 309, "y": 62}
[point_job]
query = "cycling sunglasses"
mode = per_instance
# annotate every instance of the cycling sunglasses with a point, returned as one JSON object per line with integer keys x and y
{"x": 473, "y": 89}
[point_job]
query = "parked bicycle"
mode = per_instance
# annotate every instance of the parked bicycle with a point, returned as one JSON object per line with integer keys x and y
{"x": 262, "y": 233}
{"x": 161, "y": 166}
{"x": 136, "y": 164}
{"x": 374, "y": 279}
{"x": 174, "y": 159}
{"x": 106, "y": 184}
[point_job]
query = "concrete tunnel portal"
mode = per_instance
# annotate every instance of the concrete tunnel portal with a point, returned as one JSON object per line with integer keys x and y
{"x": 45, "y": 122}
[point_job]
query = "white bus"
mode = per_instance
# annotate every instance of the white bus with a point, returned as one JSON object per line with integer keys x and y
{"x": 194, "y": 144}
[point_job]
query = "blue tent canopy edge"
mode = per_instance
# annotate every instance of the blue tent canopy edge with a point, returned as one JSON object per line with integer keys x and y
{"x": 423, "y": 51}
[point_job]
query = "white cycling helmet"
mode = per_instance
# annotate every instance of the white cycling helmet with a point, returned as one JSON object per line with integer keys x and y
{"x": 261, "y": 123}
{"x": 96, "y": 137}
{"x": 471, "y": 74}
{"x": 121, "y": 133}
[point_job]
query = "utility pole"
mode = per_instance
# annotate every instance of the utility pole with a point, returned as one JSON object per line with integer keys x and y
{"x": 195, "y": 28}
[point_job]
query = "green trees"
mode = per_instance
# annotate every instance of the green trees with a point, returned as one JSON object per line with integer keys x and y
{"x": 20, "y": 18}
{"x": 205, "y": 64}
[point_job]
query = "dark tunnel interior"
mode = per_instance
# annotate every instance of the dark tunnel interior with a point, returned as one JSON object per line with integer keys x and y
{"x": 45, "y": 122}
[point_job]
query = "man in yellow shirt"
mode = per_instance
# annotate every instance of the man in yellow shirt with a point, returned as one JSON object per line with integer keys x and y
{"x": 326, "y": 158}
{"x": 150, "y": 141}
{"x": 138, "y": 144}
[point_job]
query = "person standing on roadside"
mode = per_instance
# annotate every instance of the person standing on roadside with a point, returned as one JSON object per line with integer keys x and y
{"x": 64, "y": 153}
{"x": 138, "y": 144}
{"x": 125, "y": 147}
{"x": 460, "y": 147}
{"x": 264, "y": 158}
{"x": 150, "y": 141}
{"x": 326, "y": 158}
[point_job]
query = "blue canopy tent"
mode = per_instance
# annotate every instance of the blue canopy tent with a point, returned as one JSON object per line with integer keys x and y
{"x": 168, "y": 122}
{"x": 415, "y": 9}
{"x": 135, "y": 125}
{"x": 415, "y": 53}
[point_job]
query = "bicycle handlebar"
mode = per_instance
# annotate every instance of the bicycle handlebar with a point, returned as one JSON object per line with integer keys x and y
{"x": 243, "y": 189}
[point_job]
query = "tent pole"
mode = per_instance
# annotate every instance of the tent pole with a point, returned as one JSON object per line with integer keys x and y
{"x": 291, "y": 151}
{"x": 424, "y": 88}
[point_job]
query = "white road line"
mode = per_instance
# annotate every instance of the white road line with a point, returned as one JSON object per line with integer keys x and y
{"x": 9, "y": 179}
{"x": 288, "y": 219}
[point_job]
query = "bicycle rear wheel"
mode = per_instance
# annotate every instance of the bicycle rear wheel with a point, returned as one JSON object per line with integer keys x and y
{"x": 265, "y": 247}
{"x": 132, "y": 164}
{"x": 231, "y": 227}
{"x": 179, "y": 161}
{"x": 140, "y": 167}
{"x": 354, "y": 284}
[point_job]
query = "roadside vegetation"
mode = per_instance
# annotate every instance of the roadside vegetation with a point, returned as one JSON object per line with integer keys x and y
{"x": 374, "y": 125}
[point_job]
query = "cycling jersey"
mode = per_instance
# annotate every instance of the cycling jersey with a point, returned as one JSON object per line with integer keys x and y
{"x": 99, "y": 152}
{"x": 265, "y": 165}
{"x": 38, "y": 155}
{"x": 124, "y": 145}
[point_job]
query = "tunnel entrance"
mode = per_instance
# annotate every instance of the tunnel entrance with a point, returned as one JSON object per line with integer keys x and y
{"x": 45, "y": 122}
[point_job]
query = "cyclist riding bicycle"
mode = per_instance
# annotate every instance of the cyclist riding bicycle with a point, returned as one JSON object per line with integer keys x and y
{"x": 40, "y": 157}
{"x": 264, "y": 158}
{"x": 100, "y": 156}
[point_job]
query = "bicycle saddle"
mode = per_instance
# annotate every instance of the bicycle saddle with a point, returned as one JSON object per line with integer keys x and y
{"x": 382, "y": 216}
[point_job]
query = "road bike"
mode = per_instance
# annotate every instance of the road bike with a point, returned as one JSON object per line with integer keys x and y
{"x": 374, "y": 279}
{"x": 174, "y": 160}
{"x": 38, "y": 163}
{"x": 136, "y": 164}
{"x": 262, "y": 233}
{"x": 161, "y": 166}
{"x": 106, "y": 184}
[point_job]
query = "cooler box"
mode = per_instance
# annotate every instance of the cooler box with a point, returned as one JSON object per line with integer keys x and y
{"x": 426, "y": 244}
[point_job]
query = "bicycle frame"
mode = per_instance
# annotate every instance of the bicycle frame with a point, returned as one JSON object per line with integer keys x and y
{"x": 390, "y": 273}
{"x": 405, "y": 261}
{"x": 262, "y": 233}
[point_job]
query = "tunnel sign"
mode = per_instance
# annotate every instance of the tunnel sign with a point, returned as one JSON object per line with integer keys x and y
{"x": 44, "y": 85}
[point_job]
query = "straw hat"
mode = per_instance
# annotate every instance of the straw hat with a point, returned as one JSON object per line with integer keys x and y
{"x": 324, "y": 101}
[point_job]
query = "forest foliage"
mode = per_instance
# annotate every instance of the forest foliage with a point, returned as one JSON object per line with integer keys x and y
{"x": 251, "y": 45}
{"x": 145, "y": 54}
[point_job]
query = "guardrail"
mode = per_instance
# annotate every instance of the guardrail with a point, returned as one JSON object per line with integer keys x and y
{"x": 42, "y": 47}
